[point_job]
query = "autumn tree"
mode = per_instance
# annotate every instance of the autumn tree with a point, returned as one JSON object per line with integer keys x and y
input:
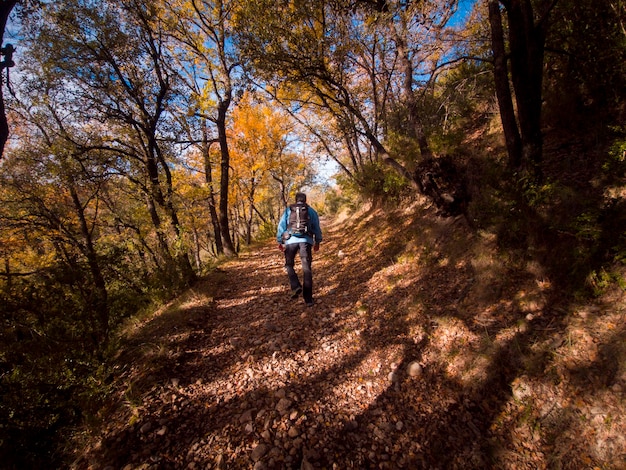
{"x": 358, "y": 63}
{"x": 113, "y": 59}
{"x": 193, "y": 192}
{"x": 62, "y": 208}
{"x": 204, "y": 33}
{"x": 265, "y": 166}
{"x": 55, "y": 280}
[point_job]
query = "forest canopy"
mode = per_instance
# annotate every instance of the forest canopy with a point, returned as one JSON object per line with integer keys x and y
{"x": 147, "y": 140}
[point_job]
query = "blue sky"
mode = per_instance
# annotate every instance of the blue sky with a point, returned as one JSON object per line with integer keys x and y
{"x": 465, "y": 7}
{"x": 327, "y": 168}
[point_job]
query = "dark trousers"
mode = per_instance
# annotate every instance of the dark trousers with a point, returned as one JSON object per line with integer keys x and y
{"x": 307, "y": 274}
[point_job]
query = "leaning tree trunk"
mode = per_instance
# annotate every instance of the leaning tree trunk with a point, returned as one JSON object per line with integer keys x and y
{"x": 99, "y": 300}
{"x": 182, "y": 257}
{"x": 180, "y": 262}
{"x": 416, "y": 126}
{"x": 503, "y": 90}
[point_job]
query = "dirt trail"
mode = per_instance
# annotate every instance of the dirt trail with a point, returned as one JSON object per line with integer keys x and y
{"x": 383, "y": 372}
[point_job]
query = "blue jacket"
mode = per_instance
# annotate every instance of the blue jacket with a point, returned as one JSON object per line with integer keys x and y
{"x": 316, "y": 231}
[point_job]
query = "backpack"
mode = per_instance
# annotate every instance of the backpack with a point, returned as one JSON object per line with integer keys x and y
{"x": 298, "y": 224}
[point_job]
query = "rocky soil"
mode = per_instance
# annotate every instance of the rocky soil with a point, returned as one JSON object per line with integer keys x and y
{"x": 425, "y": 349}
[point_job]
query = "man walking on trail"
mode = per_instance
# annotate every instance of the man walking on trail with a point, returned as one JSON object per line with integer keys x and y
{"x": 299, "y": 231}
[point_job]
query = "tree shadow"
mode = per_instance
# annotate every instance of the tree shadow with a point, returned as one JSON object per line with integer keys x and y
{"x": 465, "y": 433}
{"x": 247, "y": 393}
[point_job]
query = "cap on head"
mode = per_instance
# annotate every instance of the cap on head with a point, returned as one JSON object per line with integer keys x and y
{"x": 300, "y": 197}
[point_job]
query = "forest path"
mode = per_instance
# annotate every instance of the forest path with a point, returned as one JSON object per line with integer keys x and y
{"x": 409, "y": 359}
{"x": 249, "y": 378}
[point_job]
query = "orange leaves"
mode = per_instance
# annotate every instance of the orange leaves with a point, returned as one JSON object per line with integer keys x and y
{"x": 262, "y": 162}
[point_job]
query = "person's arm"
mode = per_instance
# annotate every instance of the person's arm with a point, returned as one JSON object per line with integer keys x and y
{"x": 282, "y": 226}
{"x": 316, "y": 229}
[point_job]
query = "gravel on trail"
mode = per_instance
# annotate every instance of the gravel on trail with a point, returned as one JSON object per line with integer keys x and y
{"x": 391, "y": 368}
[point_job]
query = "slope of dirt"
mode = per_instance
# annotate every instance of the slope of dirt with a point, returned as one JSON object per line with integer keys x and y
{"x": 425, "y": 349}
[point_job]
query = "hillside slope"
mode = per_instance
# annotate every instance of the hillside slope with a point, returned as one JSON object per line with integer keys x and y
{"x": 425, "y": 349}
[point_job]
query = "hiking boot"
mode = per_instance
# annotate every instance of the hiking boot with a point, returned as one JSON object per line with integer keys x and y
{"x": 296, "y": 293}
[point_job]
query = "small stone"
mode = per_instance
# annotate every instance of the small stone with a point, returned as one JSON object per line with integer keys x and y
{"x": 246, "y": 417}
{"x": 145, "y": 428}
{"x": 283, "y": 405}
{"x": 258, "y": 452}
{"x": 175, "y": 382}
{"x": 162, "y": 431}
{"x": 521, "y": 388}
{"x": 597, "y": 410}
{"x": 293, "y": 432}
{"x": 414, "y": 369}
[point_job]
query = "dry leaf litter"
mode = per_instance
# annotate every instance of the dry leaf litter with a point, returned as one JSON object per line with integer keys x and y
{"x": 423, "y": 350}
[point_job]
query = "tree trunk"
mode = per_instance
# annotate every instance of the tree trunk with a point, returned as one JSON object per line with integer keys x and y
{"x": 229, "y": 249}
{"x": 156, "y": 196}
{"x": 416, "y": 127}
{"x": 250, "y": 215}
{"x": 527, "y": 41}
{"x": 182, "y": 257}
{"x": 99, "y": 300}
{"x": 208, "y": 178}
{"x": 390, "y": 161}
{"x": 197, "y": 248}
{"x": 164, "y": 249}
{"x": 181, "y": 261}
{"x": 503, "y": 90}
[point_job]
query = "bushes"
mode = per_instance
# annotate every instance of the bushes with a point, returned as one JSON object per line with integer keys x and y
{"x": 47, "y": 354}
{"x": 375, "y": 182}
{"x": 52, "y": 355}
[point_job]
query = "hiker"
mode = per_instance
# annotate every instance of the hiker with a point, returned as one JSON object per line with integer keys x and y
{"x": 299, "y": 231}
